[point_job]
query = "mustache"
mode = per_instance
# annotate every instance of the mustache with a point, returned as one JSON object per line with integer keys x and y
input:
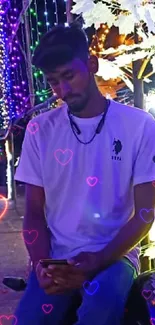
{"x": 68, "y": 98}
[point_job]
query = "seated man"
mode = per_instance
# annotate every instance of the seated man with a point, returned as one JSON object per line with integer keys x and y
{"x": 88, "y": 168}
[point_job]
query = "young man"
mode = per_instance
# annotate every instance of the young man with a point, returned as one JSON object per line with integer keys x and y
{"x": 88, "y": 168}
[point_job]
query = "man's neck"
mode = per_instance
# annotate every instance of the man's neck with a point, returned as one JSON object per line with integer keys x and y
{"x": 94, "y": 107}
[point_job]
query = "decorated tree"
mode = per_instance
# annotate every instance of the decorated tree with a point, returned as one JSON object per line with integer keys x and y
{"x": 134, "y": 22}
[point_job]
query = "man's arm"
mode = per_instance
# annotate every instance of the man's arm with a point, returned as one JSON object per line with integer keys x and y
{"x": 34, "y": 219}
{"x": 136, "y": 229}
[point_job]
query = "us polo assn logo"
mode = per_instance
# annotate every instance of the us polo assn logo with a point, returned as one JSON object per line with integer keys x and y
{"x": 117, "y": 149}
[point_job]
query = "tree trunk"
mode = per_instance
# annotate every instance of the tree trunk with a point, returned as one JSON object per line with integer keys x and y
{"x": 139, "y": 102}
{"x": 138, "y": 86}
{"x": 11, "y": 188}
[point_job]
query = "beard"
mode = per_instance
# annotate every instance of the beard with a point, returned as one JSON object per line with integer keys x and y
{"x": 80, "y": 102}
{"x": 79, "y": 105}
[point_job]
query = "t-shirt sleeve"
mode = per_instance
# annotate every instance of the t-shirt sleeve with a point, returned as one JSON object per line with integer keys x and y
{"x": 144, "y": 167}
{"x": 29, "y": 168}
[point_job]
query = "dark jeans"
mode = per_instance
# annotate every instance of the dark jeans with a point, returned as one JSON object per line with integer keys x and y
{"x": 103, "y": 302}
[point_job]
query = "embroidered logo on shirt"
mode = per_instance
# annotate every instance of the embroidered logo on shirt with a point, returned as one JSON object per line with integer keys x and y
{"x": 117, "y": 149}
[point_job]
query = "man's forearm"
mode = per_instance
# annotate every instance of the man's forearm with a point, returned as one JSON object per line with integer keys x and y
{"x": 40, "y": 247}
{"x": 128, "y": 237}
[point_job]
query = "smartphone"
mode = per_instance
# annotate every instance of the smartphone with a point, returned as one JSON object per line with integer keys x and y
{"x": 46, "y": 262}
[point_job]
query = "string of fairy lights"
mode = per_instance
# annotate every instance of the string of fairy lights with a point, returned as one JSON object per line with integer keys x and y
{"x": 14, "y": 90}
{"x": 5, "y": 83}
{"x": 37, "y": 26}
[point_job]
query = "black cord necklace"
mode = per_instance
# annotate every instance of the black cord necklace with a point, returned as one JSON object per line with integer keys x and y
{"x": 98, "y": 129}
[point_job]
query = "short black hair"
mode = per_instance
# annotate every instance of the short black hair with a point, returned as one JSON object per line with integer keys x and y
{"x": 59, "y": 46}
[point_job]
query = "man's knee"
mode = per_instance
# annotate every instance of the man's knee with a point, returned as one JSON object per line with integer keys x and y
{"x": 108, "y": 300}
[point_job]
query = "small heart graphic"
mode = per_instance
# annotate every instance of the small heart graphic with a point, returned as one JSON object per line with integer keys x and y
{"x": 3, "y": 205}
{"x": 33, "y": 127}
{"x": 152, "y": 321}
{"x": 16, "y": 131}
{"x": 2, "y": 156}
{"x": 47, "y": 308}
{"x": 153, "y": 183}
{"x": 92, "y": 286}
{"x": 4, "y": 290}
{"x": 63, "y": 155}
{"x": 92, "y": 181}
{"x": 145, "y": 216}
{"x": 32, "y": 234}
{"x": 146, "y": 294}
{"x": 12, "y": 318}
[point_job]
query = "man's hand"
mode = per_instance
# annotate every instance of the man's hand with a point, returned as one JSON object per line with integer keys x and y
{"x": 88, "y": 262}
{"x": 46, "y": 281}
{"x": 57, "y": 279}
{"x": 68, "y": 277}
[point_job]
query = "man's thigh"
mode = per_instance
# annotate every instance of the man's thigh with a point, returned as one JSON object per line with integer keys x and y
{"x": 104, "y": 300}
{"x": 37, "y": 308}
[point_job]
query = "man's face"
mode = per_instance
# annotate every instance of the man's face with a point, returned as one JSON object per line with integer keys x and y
{"x": 72, "y": 83}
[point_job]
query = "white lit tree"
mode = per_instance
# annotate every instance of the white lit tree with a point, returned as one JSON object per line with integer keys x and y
{"x": 135, "y": 17}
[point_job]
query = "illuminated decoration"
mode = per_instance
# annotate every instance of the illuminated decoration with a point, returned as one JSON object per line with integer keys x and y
{"x": 13, "y": 88}
{"x": 150, "y": 100}
{"x": 124, "y": 14}
{"x": 8, "y": 171}
{"x": 129, "y": 13}
{"x": 41, "y": 22}
{"x": 15, "y": 94}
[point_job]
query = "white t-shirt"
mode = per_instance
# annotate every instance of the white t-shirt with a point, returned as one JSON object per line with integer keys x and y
{"x": 88, "y": 188}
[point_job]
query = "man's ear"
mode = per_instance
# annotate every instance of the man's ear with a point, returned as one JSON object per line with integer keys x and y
{"x": 93, "y": 64}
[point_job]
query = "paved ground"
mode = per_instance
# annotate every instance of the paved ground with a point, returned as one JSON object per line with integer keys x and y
{"x": 13, "y": 254}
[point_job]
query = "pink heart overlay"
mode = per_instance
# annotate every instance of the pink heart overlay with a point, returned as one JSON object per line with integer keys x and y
{"x": 152, "y": 321}
{"x": 4, "y": 290}
{"x": 153, "y": 183}
{"x": 92, "y": 181}
{"x": 47, "y": 308}
{"x": 3, "y": 319}
{"x": 90, "y": 287}
{"x": 144, "y": 215}
{"x": 63, "y": 156}
{"x": 32, "y": 235}
{"x": 33, "y": 127}
{"x": 146, "y": 294}
{"x": 3, "y": 201}
{"x": 16, "y": 131}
